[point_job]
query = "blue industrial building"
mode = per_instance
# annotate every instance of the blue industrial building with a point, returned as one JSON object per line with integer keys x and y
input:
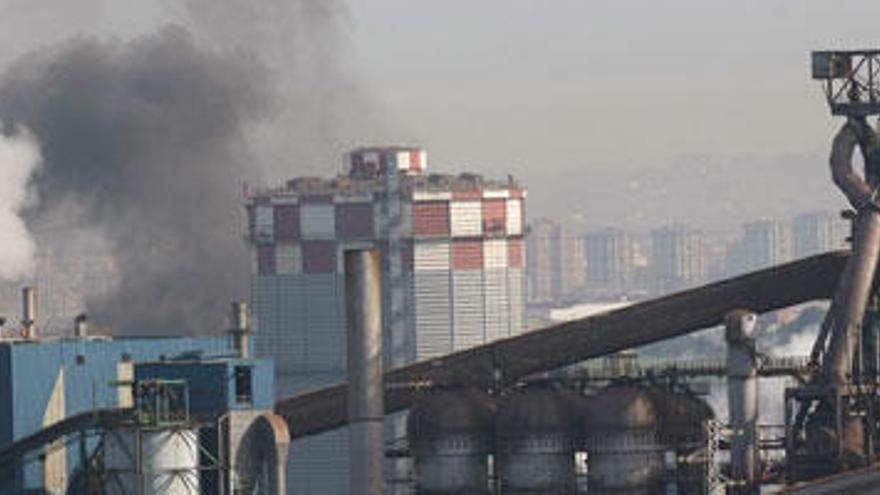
{"x": 218, "y": 385}
{"x": 45, "y": 381}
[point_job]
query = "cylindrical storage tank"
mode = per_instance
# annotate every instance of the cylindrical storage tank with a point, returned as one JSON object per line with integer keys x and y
{"x": 629, "y": 431}
{"x": 148, "y": 461}
{"x": 535, "y": 438}
{"x": 450, "y": 435}
{"x": 681, "y": 423}
{"x": 623, "y": 449}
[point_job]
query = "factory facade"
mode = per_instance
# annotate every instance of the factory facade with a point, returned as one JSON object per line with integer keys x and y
{"x": 453, "y": 263}
{"x": 46, "y": 381}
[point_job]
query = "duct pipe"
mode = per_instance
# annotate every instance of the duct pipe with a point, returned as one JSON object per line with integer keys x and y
{"x": 240, "y": 328}
{"x": 366, "y": 408}
{"x": 854, "y": 289}
{"x": 29, "y": 312}
{"x": 742, "y": 399}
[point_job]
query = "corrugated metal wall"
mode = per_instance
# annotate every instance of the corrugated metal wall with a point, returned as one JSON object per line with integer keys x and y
{"x": 466, "y": 218}
{"x": 266, "y": 259}
{"x": 514, "y": 217}
{"x": 433, "y": 325}
{"x": 430, "y": 218}
{"x": 319, "y": 257}
{"x": 286, "y": 220}
{"x": 317, "y": 221}
{"x": 467, "y": 255}
{"x": 497, "y": 302}
{"x": 516, "y": 281}
{"x": 354, "y": 220}
{"x": 468, "y": 309}
{"x": 264, "y": 223}
{"x": 301, "y": 322}
{"x": 494, "y": 216}
{"x": 431, "y": 256}
{"x": 288, "y": 258}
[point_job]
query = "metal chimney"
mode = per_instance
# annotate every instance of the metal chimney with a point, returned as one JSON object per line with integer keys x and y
{"x": 29, "y": 312}
{"x": 366, "y": 407}
{"x": 81, "y": 326}
{"x": 241, "y": 328}
{"x": 742, "y": 399}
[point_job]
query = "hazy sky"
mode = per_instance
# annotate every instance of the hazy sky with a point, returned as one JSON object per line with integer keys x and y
{"x": 572, "y": 96}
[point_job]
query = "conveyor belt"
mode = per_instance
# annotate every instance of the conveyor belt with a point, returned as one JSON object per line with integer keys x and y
{"x": 509, "y": 360}
{"x": 85, "y": 421}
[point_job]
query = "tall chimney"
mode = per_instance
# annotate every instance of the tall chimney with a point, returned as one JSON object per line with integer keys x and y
{"x": 742, "y": 397}
{"x": 241, "y": 328}
{"x": 366, "y": 406}
{"x": 29, "y": 312}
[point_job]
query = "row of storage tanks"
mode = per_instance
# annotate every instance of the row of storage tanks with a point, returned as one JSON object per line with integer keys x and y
{"x": 531, "y": 441}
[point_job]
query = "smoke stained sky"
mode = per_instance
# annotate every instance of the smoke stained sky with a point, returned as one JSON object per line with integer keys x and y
{"x": 148, "y": 140}
{"x": 565, "y": 93}
{"x": 665, "y": 104}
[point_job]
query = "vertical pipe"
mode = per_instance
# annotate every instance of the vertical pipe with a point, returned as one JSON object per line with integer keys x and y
{"x": 241, "y": 328}
{"x": 854, "y": 291}
{"x": 29, "y": 312}
{"x": 742, "y": 397}
{"x": 366, "y": 408}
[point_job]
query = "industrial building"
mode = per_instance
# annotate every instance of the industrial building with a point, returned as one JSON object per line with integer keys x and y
{"x": 453, "y": 266}
{"x": 73, "y": 412}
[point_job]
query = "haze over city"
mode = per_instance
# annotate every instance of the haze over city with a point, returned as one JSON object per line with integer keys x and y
{"x": 585, "y": 102}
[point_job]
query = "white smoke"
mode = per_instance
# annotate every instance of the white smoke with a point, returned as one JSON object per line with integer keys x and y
{"x": 19, "y": 161}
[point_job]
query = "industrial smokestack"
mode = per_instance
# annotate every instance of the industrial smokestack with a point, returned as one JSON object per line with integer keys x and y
{"x": 29, "y": 312}
{"x": 241, "y": 328}
{"x": 742, "y": 399}
{"x": 366, "y": 407}
{"x": 81, "y": 326}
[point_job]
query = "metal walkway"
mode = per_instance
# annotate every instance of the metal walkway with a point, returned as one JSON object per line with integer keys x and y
{"x": 507, "y": 361}
{"x": 768, "y": 366}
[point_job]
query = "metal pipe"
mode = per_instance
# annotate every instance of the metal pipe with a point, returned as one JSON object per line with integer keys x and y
{"x": 742, "y": 399}
{"x": 241, "y": 328}
{"x": 857, "y": 191}
{"x": 29, "y": 312}
{"x": 855, "y": 286}
{"x": 366, "y": 408}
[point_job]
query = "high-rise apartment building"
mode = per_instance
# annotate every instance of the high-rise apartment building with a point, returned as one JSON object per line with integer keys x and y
{"x": 611, "y": 255}
{"x": 453, "y": 275}
{"x": 764, "y": 243}
{"x": 678, "y": 257}
{"x": 555, "y": 260}
{"x": 817, "y": 232}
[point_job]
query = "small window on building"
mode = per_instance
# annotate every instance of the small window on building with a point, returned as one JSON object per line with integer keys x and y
{"x": 80, "y": 359}
{"x": 243, "y": 385}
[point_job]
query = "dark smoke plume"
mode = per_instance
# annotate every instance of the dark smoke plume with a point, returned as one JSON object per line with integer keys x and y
{"x": 147, "y": 139}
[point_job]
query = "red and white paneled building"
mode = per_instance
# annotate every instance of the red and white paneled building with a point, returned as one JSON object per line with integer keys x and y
{"x": 453, "y": 266}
